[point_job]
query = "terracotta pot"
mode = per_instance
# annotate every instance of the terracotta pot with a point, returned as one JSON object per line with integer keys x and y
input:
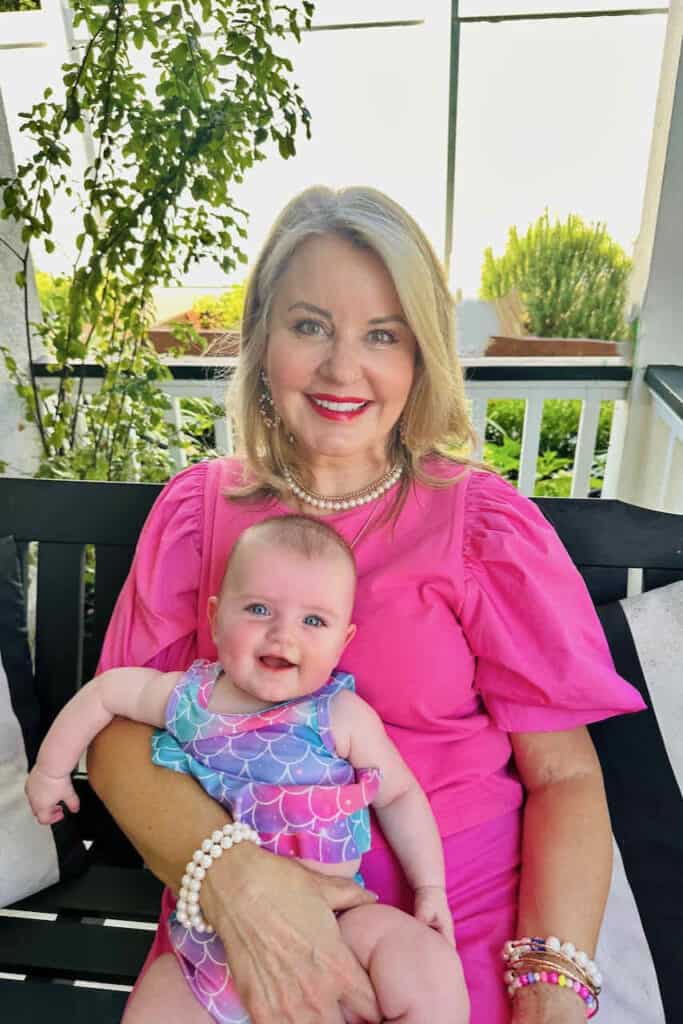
{"x": 216, "y": 342}
{"x": 524, "y": 345}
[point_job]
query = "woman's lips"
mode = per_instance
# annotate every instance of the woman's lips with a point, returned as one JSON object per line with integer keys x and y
{"x": 332, "y": 407}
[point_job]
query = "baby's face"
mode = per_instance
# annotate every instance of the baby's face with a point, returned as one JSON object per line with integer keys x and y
{"x": 282, "y": 619}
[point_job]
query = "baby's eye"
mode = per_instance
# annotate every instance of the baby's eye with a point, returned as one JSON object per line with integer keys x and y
{"x": 314, "y": 620}
{"x": 382, "y": 337}
{"x": 257, "y": 609}
{"x": 310, "y": 328}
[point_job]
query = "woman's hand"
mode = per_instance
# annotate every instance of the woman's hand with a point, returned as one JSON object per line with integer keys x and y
{"x": 547, "y": 1004}
{"x": 284, "y": 946}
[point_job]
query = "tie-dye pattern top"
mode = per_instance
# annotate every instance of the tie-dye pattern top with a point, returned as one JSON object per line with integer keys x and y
{"x": 276, "y": 770}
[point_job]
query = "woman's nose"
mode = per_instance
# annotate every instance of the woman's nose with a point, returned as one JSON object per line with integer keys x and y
{"x": 342, "y": 364}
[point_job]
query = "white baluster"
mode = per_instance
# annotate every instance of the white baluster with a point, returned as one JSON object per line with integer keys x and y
{"x": 585, "y": 445}
{"x": 531, "y": 439}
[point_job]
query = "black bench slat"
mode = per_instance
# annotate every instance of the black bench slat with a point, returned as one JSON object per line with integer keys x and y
{"x": 72, "y": 949}
{"x": 74, "y": 511}
{"x": 127, "y": 894}
{"x": 59, "y": 624}
{"x": 34, "y": 1001}
{"x": 606, "y": 532}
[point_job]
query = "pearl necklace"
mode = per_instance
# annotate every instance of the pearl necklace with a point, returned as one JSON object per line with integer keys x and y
{"x": 344, "y": 501}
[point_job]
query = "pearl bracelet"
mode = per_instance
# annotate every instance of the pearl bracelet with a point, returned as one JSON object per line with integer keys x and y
{"x": 188, "y": 912}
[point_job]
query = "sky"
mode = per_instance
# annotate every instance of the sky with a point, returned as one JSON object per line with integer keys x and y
{"x": 551, "y": 113}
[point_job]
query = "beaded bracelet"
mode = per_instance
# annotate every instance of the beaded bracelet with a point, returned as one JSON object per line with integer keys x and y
{"x": 564, "y": 980}
{"x": 515, "y": 948}
{"x": 560, "y": 964}
{"x": 188, "y": 912}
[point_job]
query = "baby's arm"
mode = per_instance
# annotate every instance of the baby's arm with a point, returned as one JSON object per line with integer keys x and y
{"x": 401, "y": 806}
{"x": 137, "y": 693}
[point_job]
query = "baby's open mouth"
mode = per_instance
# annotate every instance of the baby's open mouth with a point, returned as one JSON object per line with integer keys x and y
{"x": 273, "y": 662}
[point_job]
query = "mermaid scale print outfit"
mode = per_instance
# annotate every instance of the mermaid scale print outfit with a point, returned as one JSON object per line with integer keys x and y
{"x": 276, "y": 770}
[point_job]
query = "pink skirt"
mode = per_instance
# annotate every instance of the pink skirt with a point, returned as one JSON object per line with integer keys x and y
{"x": 482, "y": 876}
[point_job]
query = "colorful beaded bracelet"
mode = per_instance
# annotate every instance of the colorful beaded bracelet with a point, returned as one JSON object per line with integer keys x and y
{"x": 560, "y": 979}
{"x": 516, "y": 948}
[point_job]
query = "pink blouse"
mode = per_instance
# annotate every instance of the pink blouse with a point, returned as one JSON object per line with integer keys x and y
{"x": 472, "y": 623}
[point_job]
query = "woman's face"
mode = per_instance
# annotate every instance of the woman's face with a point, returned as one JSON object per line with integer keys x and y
{"x": 340, "y": 355}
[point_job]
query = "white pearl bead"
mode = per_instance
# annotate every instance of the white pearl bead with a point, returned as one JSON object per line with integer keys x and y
{"x": 183, "y": 919}
{"x": 509, "y": 977}
{"x": 226, "y": 842}
{"x": 206, "y": 845}
{"x": 581, "y": 958}
{"x": 216, "y": 852}
{"x": 200, "y": 873}
{"x": 206, "y": 861}
{"x": 189, "y": 867}
{"x": 227, "y": 829}
{"x": 195, "y": 885}
{"x": 200, "y": 926}
{"x": 193, "y": 898}
{"x": 597, "y": 978}
{"x": 216, "y": 836}
{"x": 197, "y": 856}
{"x": 591, "y": 967}
{"x": 553, "y": 943}
{"x": 237, "y": 838}
{"x": 183, "y": 893}
{"x": 569, "y": 949}
{"x": 181, "y": 906}
{"x": 185, "y": 880}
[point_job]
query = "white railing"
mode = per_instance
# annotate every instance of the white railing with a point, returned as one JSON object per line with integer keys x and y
{"x": 665, "y": 384}
{"x": 588, "y": 380}
{"x": 534, "y": 380}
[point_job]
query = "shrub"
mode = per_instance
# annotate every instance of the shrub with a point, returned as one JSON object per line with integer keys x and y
{"x": 571, "y": 278}
{"x": 221, "y": 311}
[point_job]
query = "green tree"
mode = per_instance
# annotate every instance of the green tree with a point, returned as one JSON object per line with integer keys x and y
{"x": 571, "y": 278}
{"x": 155, "y": 199}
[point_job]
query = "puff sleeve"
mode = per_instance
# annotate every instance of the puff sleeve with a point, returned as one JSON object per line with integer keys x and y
{"x": 154, "y": 622}
{"x": 542, "y": 661}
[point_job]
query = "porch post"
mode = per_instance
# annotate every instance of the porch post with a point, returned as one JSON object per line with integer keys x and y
{"x": 656, "y": 294}
{"x": 19, "y": 440}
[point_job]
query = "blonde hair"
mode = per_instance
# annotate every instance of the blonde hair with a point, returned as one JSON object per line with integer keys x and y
{"x": 435, "y": 419}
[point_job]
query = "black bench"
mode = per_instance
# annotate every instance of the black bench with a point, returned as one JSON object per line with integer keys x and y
{"x": 604, "y": 538}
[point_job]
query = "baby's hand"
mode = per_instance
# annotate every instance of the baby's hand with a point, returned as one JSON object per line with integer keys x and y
{"x": 44, "y": 793}
{"x": 431, "y": 907}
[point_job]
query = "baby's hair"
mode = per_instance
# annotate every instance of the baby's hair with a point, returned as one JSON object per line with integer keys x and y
{"x": 304, "y": 535}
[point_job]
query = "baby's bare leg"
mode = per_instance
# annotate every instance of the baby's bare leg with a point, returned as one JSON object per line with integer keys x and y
{"x": 164, "y": 997}
{"x": 416, "y": 974}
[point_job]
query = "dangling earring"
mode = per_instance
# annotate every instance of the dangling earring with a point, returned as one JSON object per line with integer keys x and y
{"x": 402, "y": 431}
{"x": 271, "y": 417}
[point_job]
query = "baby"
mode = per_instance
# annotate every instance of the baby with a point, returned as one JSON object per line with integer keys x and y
{"x": 279, "y": 737}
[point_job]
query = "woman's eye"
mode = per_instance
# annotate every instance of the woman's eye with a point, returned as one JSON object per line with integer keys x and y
{"x": 382, "y": 337}
{"x": 310, "y": 328}
{"x": 257, "y": 609}
{"x": 314, "y": 620}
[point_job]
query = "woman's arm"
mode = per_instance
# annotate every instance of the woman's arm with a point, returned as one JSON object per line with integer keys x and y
{"x": 276, "y": 918}
{"x": 137, "y": 693}
{"x": 566, "y": 858}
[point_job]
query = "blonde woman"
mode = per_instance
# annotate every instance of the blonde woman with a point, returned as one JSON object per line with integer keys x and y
{"x": 477, "y": 643}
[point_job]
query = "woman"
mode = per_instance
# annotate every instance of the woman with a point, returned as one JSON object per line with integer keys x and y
{"x": 477, "y": 642}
